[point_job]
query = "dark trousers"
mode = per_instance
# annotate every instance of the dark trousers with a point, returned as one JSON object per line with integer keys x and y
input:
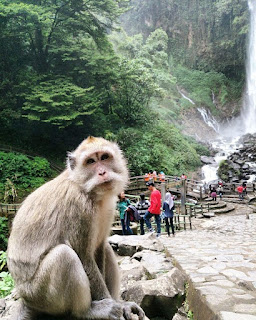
{"x": 126, "y": 230}
{"x": 147, "y": 217}
{"x": 142, "y": 221}
{"x": 168, "y": 223}
{"x": 123, "y": 226}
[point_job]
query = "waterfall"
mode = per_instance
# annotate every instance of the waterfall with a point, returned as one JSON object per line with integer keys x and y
{"x": 209, "y": 119}
{"x": 249, "y": 111}
{"x": 184, "y": 96}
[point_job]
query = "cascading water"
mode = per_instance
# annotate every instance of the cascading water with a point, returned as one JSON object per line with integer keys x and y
{"x": 230, "y": 134}
{"x": 249, "y": 113}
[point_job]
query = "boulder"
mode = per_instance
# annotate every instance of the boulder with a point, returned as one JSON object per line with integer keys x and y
{"x": 128, "y": 245}
{"x": 207, "y": 160}
{"x": 158, "y": 297}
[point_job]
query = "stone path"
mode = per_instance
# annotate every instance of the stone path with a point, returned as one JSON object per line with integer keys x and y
{"x": 219, "y": 258}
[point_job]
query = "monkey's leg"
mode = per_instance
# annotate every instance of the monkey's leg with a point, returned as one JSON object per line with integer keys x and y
{"x": 61, "y": 285}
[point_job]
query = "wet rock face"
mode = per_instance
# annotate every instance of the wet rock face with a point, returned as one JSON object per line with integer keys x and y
{"x": 240, "y": 165}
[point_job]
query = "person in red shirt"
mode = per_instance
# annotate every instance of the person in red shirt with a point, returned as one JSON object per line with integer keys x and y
{"x": 240, "y": 190}
{"x": 155, "y": 208}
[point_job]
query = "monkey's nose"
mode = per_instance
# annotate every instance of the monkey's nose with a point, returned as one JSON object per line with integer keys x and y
{"x": 102, "y": 173}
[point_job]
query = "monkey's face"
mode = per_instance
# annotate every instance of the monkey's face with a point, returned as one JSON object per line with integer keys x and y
{"x": 98, "y": 165}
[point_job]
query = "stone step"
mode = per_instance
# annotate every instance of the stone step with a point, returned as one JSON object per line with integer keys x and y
{"x": 236, "y": 200}
{"x": 208, "y": 214}
{"x": 227, "y": 209}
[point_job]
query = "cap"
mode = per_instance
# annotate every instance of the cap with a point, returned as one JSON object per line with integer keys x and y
{"x": 150, "y": 183}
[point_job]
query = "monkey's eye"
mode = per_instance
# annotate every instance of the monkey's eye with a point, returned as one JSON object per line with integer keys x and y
{"x": 90, "y": 161}
{"x": 105, "y": 156}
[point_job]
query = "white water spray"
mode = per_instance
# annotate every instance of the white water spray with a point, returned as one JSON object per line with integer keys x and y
{"x": 249, "y": 112}
{"x": 209, "y": 119}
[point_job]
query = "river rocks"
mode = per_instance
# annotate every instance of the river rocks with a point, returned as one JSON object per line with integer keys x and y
{"x": 240, "y": 165}
{"x": 207, "y": 160}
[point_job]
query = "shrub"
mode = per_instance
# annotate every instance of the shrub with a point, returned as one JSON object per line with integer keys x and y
{"x": 3, "y": 233}
{"x": 22, "y": 174}
{"x": 161, "y": 147}
{"x": 6, "y": 280}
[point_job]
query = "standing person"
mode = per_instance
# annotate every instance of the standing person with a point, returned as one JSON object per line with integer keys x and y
{"x": 150, "y": 175}
{"x": 146, "y": 177}
{"x": 161, "y": 176}
{"x": 142, "y": 206}
{"x": 154, "y": 174}
{"x": 214, "y": 194}
{"x": 220, "y": 191}
{"x": 183, "y": 176}
{"x": 240, "y": 190}
{"x": 155, "y": 208}
{"x": 168, "y": 206}
{"x": 122, "y": 205}
{"x": 244, "y": 188}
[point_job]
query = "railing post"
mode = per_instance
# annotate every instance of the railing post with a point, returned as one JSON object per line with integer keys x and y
{"x": 201, "y": 193}
{"x": 163, "y": 191}
{"x": 183, "y": 196}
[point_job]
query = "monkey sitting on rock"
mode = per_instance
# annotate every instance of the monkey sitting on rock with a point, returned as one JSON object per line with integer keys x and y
{"x": 58, "y": 252}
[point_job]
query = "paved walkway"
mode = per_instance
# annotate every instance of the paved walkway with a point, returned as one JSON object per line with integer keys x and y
{"x": 219, "y": 258}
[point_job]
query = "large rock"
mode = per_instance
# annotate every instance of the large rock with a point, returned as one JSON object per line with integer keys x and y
{"x": 158, "y": 297}
{"x": 128, "y": 245}
{"x": 207, "y": 160}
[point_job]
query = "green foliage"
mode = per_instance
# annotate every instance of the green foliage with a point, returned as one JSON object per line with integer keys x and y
{"x": 22, "y": 171}
{"x": 3, "y": 259}
{"x": 6, "y": 284}
{"x": 205, "y": 35}
{"x": 10, "y": 192}
{"x": 160, "y": 146}
{"x": 202, "y": 86}
{"x": 151, "y": 55}
{"x": 59, "y": 102}
{"x": 189, "y": 313}
{"x": 4, "y": 231}
{"x": 223, "y": 170}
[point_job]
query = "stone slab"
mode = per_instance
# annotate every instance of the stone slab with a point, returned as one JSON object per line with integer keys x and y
{"x": 236, "y": 316}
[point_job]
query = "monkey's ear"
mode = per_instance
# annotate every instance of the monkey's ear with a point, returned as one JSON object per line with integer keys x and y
{"x": 71, "y": 160}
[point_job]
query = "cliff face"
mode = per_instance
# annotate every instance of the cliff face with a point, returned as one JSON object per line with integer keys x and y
{"x": 203, "y": 34}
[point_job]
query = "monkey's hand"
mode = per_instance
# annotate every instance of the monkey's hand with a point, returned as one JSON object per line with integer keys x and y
{"x": 130, "y": 308}
{"x": 107, "y": 309}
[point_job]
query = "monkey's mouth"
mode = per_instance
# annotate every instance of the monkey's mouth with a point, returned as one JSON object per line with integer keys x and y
{"x": 107, "y": 182}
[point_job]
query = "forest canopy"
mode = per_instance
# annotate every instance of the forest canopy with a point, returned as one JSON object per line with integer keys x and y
{"x": 68, "y": 71}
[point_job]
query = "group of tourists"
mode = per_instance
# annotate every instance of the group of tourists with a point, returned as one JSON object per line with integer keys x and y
{"x": 145, "y": 209}
{"x": 153, "y": 176}
{"x": 216, "y": 190}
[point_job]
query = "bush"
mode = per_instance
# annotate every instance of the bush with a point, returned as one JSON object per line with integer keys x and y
{"x": 22, "y": 173}
{"x": 161, "y": 147}
{"x": 6, "y": 280}
{"x": 22, "y": 170}
{"x": 3, "y": 233}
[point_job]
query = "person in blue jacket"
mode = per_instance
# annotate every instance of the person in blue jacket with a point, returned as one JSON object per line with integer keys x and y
{"x": 168, "y": 207}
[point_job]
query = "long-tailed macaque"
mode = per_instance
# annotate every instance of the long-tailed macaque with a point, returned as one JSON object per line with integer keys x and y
{"x": 58, "y": 252}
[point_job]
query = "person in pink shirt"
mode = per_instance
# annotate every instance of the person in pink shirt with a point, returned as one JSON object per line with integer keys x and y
{"x": 155, "y": 208}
